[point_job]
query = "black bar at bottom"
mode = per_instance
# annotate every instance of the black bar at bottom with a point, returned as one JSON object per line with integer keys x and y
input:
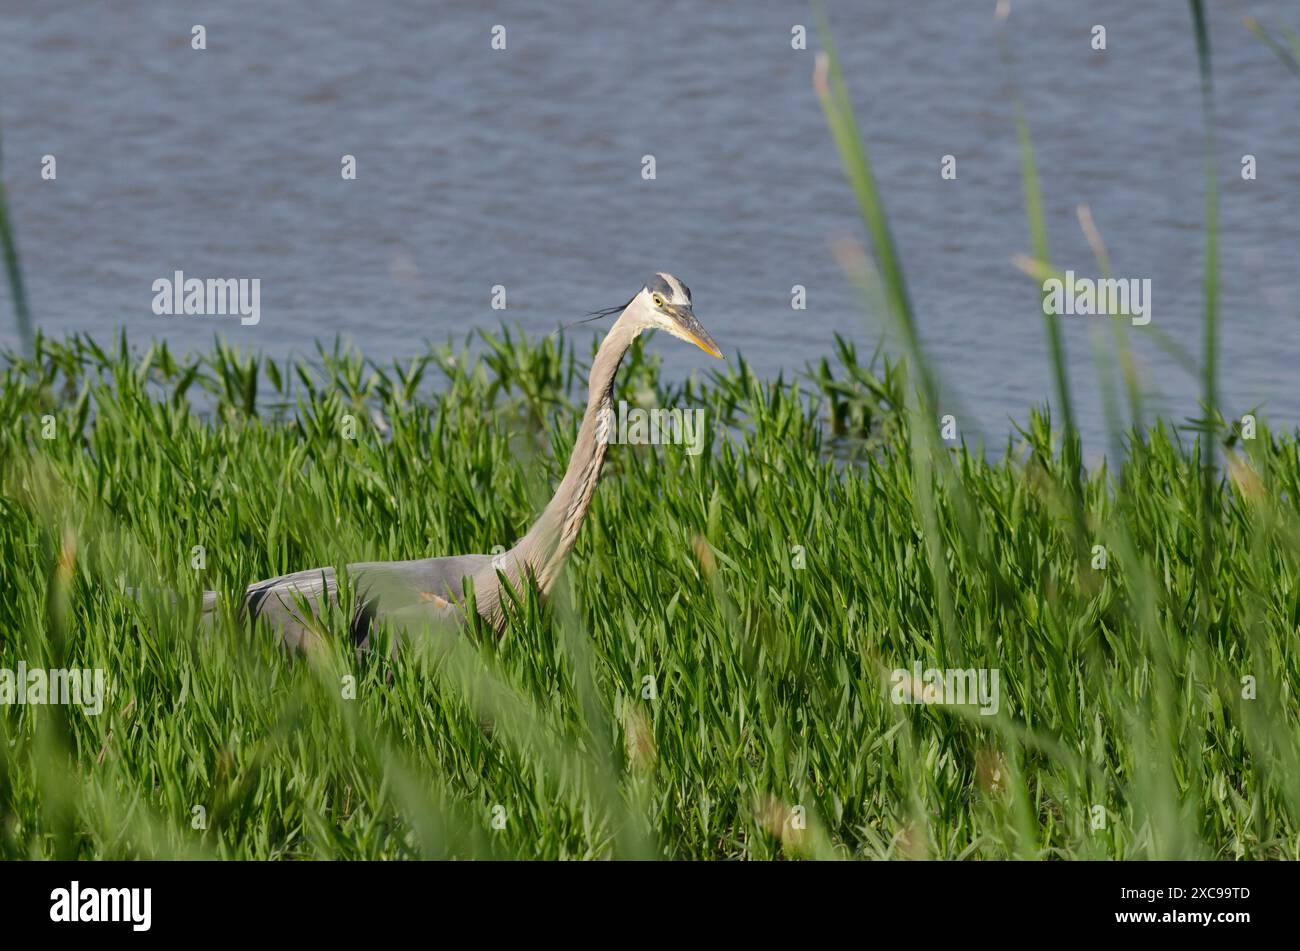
{"x": 916, "y": 900}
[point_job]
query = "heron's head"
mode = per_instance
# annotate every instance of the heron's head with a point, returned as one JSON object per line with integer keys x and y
{"x": 665, "y": 304}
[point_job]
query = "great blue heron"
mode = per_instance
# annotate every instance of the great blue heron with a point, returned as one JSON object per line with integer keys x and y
{"x": 431, "y": 590}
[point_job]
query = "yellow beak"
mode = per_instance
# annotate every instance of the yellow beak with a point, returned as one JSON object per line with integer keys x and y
{"x": 693, "y": 331}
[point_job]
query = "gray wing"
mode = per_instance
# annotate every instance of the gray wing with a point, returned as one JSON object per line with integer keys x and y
{"x": 426, "y": 591}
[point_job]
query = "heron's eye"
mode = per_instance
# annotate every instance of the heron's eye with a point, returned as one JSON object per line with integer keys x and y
{"x": 658, "y": 299}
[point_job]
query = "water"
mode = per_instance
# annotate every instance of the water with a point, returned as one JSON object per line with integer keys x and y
{"x": 522, "y": 168}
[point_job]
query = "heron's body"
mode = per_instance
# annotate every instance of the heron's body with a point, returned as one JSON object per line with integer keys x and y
{"x": 427, "y": 592}
{"x": 423, "y": 592}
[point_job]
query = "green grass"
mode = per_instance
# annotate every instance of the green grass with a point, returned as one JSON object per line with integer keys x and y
{"x": 13, "y": 270}
{"x": 771, "y": 681}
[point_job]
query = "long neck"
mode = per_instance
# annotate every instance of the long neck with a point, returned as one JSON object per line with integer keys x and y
{"x": 542, "y": 551}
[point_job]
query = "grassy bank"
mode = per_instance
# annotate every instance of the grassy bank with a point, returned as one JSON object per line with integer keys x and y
{"x": 702, "y": 688}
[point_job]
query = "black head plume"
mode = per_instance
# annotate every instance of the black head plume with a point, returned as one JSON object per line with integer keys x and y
{"x": 597, "y": 315}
